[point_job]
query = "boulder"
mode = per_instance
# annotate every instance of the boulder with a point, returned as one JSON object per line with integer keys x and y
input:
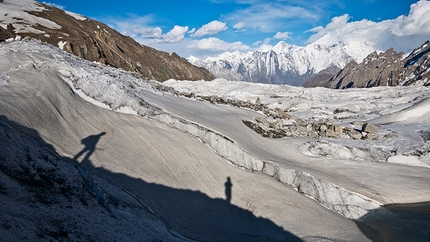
{"x": 258, "y": 101}
{"x": 369, "y": 128}
{"x": 331, "y": 134}
{"x": 262, "y": 121}
{"x": 279, "y": 112}
{"x": 323, "y": 128}
{"x": 355, "y": 134}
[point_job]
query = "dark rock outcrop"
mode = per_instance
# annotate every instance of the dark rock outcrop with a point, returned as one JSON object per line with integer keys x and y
{"x": 388, "y": 68}
{"x": 95, "y": 41}
{"x": 321, "y": 77}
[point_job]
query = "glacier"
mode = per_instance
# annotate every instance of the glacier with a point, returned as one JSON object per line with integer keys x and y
{"x": 159, "y": 135}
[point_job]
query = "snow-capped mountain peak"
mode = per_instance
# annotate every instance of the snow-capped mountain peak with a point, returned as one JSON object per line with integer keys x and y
{"x": 285, "y": 63}
{"x": 282, "y": 47}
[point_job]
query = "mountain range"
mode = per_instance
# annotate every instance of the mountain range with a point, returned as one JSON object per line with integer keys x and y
{"x": 326, "y": 62}
{"x": 285, "y": 63}
{"x": 92, "y": 40}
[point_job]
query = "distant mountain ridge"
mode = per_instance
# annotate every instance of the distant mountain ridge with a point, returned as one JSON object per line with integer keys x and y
{"x": 92, "y": 40}
{"x": 285, "y": 63}
{"x": 388, "y": 68}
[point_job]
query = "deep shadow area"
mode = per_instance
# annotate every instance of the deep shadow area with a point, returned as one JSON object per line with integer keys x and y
{"x": 397, "y": 222}
{"x": 192, "y": 214}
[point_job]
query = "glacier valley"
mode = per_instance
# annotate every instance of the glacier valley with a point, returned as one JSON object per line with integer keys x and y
{"x": 169, "y": 147}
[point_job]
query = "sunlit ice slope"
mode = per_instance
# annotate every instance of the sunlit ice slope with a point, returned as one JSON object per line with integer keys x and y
{"x": 362, "y": 166}
{"x": 198, "y": 193}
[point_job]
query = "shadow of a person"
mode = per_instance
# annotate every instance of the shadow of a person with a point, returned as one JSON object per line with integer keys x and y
{"x": 90, "y": 143}
{"x": 228, "y": 186}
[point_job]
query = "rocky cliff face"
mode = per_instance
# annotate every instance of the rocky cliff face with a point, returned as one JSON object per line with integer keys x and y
{"x": 93, "y": 41}
{"x": 285, "y": 63}
{"x": 388, "y": 68}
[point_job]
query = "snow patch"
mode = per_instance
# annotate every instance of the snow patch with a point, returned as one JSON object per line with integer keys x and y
{"x": 10, "y": 11}
{"x": 76, "y": 16}
{"x": 407, "y": 160}
{"x": 61, "y": 44}
{"x": 340, "y": 151}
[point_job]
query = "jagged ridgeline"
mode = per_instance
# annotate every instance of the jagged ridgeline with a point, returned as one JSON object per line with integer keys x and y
{"x": 92, "y": 40}
{"x": 388, "y": 68}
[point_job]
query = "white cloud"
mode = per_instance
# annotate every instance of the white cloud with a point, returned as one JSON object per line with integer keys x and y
{"x": 139, "y": 28}
{"x": 263, "y": 45}
{"x": 175, "y": 35}
{"x": 216, "y": 45}
{"x": 270, "y": 16}
{"x": 148, "y": 33}
{"x": 211, "y": 28}
{"x": 54, "y": 5}
{"x": 239, "y": 25}
{"x": 133, "y": 25}
{"x": 403, "y": 33}
{"x": 282, "y": 35}
{"x": 191, "y": 31}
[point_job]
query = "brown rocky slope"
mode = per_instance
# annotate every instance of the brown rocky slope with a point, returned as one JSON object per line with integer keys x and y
{"x": 388, "y": 68}
{"x": 95, "y": 41}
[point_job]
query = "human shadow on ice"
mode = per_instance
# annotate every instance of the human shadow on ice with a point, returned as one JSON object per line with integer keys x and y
{"x": 197, "y": 216}
{"x": 228, "y": 186}
{"x": 192, "y": 214}
{"x": 90, "y": 143}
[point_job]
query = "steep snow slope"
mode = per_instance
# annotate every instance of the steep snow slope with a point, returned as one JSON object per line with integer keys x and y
{"x": 176, "y": 175}
{"x": 284, "y": 63}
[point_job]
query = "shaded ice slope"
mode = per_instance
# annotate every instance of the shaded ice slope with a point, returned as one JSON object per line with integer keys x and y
{"x": 180, "y": 178}
{"x": 44, "y": 199}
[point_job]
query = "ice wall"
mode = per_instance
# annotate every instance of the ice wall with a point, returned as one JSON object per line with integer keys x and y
{"x": 338, "y": 199}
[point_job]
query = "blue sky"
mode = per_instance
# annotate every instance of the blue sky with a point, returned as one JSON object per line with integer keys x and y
{"x": 209, "y": 27}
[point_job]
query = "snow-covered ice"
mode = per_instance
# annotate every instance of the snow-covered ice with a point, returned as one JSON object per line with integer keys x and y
{"x": 184, "y": 143}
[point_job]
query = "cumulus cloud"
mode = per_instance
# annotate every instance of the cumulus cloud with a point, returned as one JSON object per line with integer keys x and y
{"x": 175, "y": 35}
{"x": 211, "y": 28}
{"x": 216, "y": 45}
{"x": 148, "y": 33}
{"x": 282, "y": 35}
{"x": 263, "y": 45}
{"x": 403, "y": 33}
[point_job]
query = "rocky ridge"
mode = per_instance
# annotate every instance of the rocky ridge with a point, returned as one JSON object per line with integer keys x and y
{"x": 93, "y": 41}
{"x": 388, "y": 68}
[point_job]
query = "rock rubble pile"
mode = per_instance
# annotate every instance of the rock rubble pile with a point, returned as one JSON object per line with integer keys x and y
{"x": 279, "y": 123}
